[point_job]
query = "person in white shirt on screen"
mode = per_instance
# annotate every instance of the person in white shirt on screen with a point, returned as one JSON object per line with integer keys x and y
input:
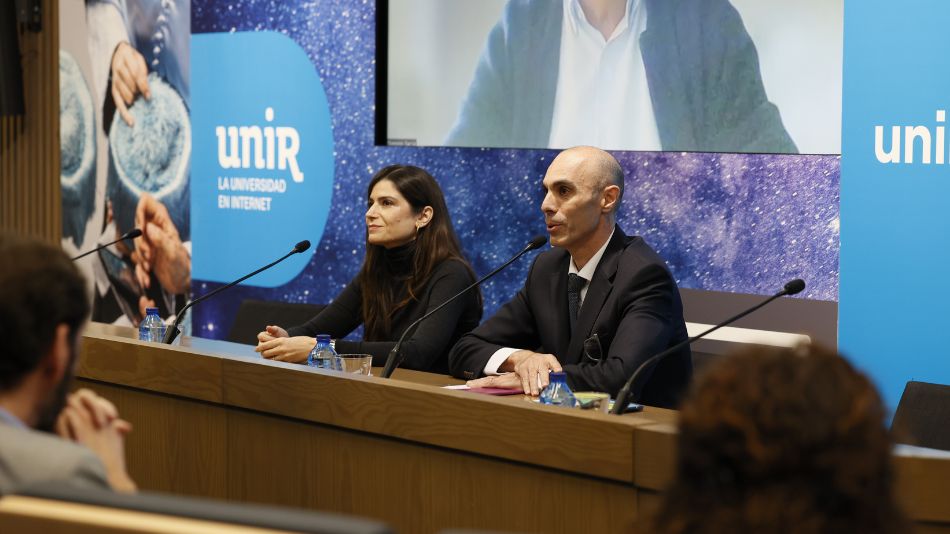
{"x": 622, "y": 74}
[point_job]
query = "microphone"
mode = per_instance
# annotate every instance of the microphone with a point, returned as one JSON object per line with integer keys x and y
{"x": 131, "y": 234}
{"x": 172, "y": 333}
{"x": 395, "y": 355}
{"x": 620, "y": 404}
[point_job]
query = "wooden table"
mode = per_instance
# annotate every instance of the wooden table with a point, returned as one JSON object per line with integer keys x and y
{"x": 213, "y": 419}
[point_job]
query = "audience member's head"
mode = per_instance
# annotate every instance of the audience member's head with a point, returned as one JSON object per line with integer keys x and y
{"x": 782, "y": 440}
{"x": 43, "y": 304}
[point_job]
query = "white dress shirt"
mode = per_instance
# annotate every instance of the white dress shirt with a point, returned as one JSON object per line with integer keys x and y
{"x": 602, "y": 98}
{"x": 586, "y": 272}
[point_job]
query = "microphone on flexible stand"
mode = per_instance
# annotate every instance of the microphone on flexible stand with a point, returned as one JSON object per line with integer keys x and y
{"x": 172, "y": 333}
{"x": 131, "y": 234}
{"x": 395, "y": 355}
{"x": 620, "y": 404}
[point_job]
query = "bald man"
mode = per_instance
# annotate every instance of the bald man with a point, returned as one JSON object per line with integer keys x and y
{"x": 596, "y": 306}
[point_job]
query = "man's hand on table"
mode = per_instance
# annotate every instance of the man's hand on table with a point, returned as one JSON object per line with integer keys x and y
{"x": 527, "y": 371}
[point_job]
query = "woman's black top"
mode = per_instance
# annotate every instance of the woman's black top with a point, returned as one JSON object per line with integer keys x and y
{"x": 428, "y": 347}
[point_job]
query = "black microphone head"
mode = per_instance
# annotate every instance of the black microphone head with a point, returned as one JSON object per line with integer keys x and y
{"x": 132, "y": 234}
{"x": 537, "y": 241}
{"x": 795, "y": 286}
{"x": 302, "y": 246}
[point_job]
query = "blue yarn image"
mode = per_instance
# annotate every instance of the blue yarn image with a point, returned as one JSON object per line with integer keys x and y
{"x": 77, "y": 139}
{"x": 152, "y": 156}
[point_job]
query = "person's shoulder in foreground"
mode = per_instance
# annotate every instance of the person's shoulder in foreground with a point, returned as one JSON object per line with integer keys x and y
{"x": 30, "y": 457}
{"x": 47, "y": 433}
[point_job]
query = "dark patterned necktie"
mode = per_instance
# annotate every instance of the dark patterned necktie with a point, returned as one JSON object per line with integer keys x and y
{"x": 574, "y": 285}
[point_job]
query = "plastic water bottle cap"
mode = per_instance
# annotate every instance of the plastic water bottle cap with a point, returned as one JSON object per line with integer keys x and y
{"x": 151, "y": 311}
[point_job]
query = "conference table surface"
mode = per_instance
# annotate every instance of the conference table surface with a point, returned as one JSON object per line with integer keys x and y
{"x": 213, "y": 418}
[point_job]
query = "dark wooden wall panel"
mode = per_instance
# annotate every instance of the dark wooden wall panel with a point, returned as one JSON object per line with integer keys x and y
{"x": 29, "y": 144}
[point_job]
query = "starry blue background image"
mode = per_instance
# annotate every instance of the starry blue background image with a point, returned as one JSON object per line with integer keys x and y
{"x": 742, "y": 223}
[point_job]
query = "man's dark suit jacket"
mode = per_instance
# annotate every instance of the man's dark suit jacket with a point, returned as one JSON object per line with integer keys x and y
{"x": 632, "y": 304}
{"x": 701, "y": 65}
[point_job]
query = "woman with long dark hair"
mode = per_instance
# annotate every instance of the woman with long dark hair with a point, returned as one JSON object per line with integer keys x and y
{"x": 413, "y": 263}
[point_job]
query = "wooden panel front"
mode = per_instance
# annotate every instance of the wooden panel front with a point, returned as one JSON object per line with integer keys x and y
{"x": 590, "y": 443}
{"x": 29, "y": 144}
{"x": 176, "y": 445}
{"x": 151, "y": 366}
{"x": 205, "y": 449}
{"x": 923, "y": 487}
{"x": 418, "y": 457}
{"x": 214, "y": 419}
{"x": 413, "y": 487}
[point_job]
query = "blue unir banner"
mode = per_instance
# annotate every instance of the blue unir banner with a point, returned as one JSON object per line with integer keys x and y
{"x": 895, "y": 192}
{"x": 262, "y": 164}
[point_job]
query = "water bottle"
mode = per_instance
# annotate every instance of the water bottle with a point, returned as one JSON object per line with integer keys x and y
{"x": 152, "y": 328}
{"x": 323, "y": 355}
{"x": 557, "y": 392}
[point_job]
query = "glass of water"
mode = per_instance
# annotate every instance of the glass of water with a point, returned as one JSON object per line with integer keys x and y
{"x": 361, "y": 364}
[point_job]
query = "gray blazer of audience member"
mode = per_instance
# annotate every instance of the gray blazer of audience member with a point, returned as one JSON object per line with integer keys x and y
{"x": 30, "y": 457}
{"x": 702, "y": 70}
